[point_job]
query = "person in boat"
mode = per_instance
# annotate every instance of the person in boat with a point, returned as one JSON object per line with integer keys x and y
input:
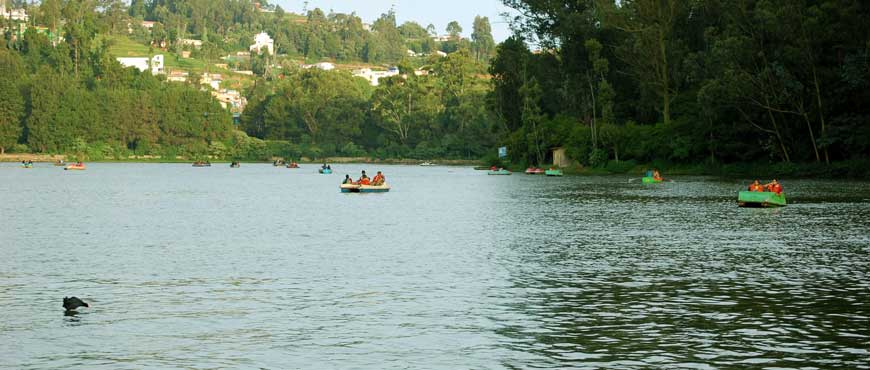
{"x": 379, "y": 179}
{"x": 324, "y": 166}
{"x": 364, "y": 179}
{"x": 756, "y": 187}
{"x": 347, "y": 180}
{"x": 494, "y": 168}
{"x": 657, "y": 176}
{"x": 328, "y": 167}
{"x": 774, "y": 187}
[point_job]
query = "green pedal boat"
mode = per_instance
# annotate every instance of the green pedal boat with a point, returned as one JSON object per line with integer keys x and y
{"x": 755, "y": 199}
{"x": 651, "y": 180}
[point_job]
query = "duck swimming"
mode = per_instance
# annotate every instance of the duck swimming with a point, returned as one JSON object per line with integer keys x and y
{"x": 72, "y": 303}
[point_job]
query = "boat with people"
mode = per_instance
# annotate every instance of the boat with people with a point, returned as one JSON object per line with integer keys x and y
{"x": 762, "y": 196}
{"x": 293, "y": 165}
{"x": 535, "y": 171}
{"x": 553, "y": 172}
{"x": 325, "y": 169}
{"x": 279, "y": 163}
{"x": 59, "y": 163}
{"x": 357, "y": 188}
{"x": 378, "y": 184}
{"x": 79, "y": 166}
{"x": 653, "y": 177}
{"x": 427, "y": 164}
{"x": 202, "y": 164}
{"x": 765, "y": 199}
{"x": 235, "y": 165}
{"x": 26, "y": 164}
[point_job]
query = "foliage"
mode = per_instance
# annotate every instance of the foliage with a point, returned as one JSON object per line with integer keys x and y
{"x": 707, "y": 81}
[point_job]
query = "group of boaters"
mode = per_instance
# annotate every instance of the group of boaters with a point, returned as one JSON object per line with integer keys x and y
{"x": 655, "y": 174}
{"x": 364, "y": 179}
{"x": 773, "y": 187}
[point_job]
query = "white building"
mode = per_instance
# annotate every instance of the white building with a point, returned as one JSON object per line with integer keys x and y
{"x": 177, "y": 76}
{"x": 191, "y": 42}
{"x": 13, "y": 14}
{"x": 263, "y": 41}
{"x": 143, "y": 64}
{"x": 323, "y": 66}
{"x": 373, "y": 77}
{"x": 442, "y": 38}
{"x": 213, "y": 80}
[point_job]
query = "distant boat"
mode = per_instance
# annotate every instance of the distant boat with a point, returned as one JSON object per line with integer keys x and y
{"x": 278, "y": 163}
{"x": 758, "y": 199}
{"x": 27, "y": 165}
{"x": 325, "y": 171}
{"x": 499, "y": 172}
{"x": 293, "y": 165}
{"x": 354, "y": 188}
{"x": 427, "y": 164}
{"x": 534, "y": 171}
{"x": 75, "y": 167}
{"x": 235, "y": 165}
{"x": 201, "y": 164}
{"x": 553, "y": 172}
{"x": 652, "y": 180}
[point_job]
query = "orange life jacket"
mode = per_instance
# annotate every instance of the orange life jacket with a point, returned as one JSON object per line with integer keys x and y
{"x": 776, "y": 188}
{"x": 364, "y": 181}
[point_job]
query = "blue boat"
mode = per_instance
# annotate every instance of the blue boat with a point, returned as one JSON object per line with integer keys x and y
{"x": 325, "y": 171}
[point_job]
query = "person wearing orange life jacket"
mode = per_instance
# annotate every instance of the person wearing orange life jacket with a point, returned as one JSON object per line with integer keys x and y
{"x": 379, "y": 179}
{"x": 756, "y": 187}
{"x": 364, "y": 179}
{"x": 657, "y": 176}
{"x": 774, "y": 187}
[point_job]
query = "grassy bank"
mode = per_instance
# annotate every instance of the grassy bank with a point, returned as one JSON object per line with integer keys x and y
{"x": 853, "y": 169}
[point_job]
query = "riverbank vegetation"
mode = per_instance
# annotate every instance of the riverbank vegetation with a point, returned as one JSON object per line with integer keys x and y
{"x": 707, "y": 86}
{"x": 708, "y": 83}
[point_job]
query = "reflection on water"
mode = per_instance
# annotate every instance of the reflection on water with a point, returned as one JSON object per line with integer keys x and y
{"x": 262, "y": 267}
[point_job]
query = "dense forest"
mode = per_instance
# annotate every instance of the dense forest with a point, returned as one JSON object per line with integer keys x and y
{"x": 78, "y": 100}
{"x": 617, "y": 84}
{"x": 686, "y": 81}
{"x": 65, "y": 93}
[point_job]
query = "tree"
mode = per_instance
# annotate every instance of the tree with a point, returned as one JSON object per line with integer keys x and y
{"x": 11, "y": 100}
{"x": 482, "y": 42}
{"x": 454, "y": 30}
{"x": 403, "y": 105}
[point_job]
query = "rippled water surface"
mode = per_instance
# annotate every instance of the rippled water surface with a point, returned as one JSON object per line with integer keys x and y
{"x": 265, "y": 267}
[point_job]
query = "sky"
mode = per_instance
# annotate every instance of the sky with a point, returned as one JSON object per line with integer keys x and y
{"x": 424, "y": 12}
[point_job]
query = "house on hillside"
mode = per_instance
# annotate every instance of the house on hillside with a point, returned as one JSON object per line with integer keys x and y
{"x": 13, "y": 14}
{"x": 155, "y": 64}
{"x": 230, "y": 99}
{"x": 192, "y": 42}
{"x": 177, "y": 76}
{"x": 373, "y": 77}
{"x": 213, "y": 80}
{"x": 148, "y": 24}
{"x": 323, "y": 66}
{"x": 263, "y": 41}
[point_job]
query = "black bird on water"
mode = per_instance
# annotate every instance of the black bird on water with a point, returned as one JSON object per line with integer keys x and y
{"x": 72, "y": 303}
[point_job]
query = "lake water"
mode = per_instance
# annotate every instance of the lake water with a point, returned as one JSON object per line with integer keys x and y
{"x": 264, "y": 267}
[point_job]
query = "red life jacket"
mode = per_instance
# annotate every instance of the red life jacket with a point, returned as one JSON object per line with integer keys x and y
{"x": 776, "y": 188}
